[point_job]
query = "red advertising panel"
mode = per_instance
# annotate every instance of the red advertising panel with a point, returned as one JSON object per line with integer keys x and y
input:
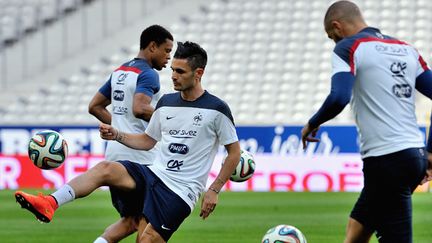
{"x": 19, "y": 172}
{"x": 273, "y": 173}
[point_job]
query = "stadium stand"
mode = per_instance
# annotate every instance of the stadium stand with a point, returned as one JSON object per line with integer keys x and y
{"x": 269, "y": 59}
{"x": 19, "y": 17}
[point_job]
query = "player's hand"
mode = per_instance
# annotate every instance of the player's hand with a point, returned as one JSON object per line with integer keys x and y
{"x": 308, "y": 134}
{"x": 208, "y": 203}
{"x": 107, "y": 132}
{"x": 428, "y": 176}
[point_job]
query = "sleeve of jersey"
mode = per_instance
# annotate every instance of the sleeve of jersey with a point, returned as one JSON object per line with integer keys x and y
{"x": 225, "y": 128}
{"x": 148, "y": 83}
{"x": 154, "y": 127}
{"x": 342, "y": 60}
{"x": 424, "y": 83}
{"x": 339, "y": 97}
{"x": 422, "y": 65}
{"x": 106, "y": 89}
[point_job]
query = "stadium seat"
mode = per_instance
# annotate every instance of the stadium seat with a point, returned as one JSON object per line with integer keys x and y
{"x": 22, "y": 16}
{"x": 270, "y": 59}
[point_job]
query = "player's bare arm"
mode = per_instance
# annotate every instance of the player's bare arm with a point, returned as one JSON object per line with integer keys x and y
{"x": 210, "y": 198}
{"x": 136, "y": 141}
{"x": 97, "y": 108}
{"x": 429, "y": 169}
{"x": 141, "y": 106}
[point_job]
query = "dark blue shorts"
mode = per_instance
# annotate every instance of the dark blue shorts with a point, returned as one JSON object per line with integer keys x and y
{"x": 160, "y": 206}
{"x": 384, "y": 205}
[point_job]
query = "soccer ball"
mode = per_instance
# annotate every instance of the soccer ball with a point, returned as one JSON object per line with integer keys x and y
{"x": 245, "y": 168}
{"x": 284, "y": 234}
{"x": 47, "y": 149}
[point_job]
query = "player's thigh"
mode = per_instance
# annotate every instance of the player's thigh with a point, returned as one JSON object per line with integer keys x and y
{"x": 115, "y": 174}
{"x": 150, "y": 235}
{"x": 142, "y": 224}
{"x": 356, "y": 232}
{"x": 120, "y": 229}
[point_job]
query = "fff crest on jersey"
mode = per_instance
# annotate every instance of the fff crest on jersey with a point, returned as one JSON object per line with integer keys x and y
{"x": 197, "y": 120}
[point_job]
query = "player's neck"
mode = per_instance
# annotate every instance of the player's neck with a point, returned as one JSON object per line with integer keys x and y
{"x": 356, "y": 28}
{"x": 142, "y": 54}
{"x": 192, "y": 94}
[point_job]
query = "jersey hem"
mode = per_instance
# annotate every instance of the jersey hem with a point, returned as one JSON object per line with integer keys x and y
{"x": 389, "y": 150}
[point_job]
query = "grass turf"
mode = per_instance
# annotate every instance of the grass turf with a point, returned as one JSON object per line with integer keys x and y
{"x": 241, "y": 217}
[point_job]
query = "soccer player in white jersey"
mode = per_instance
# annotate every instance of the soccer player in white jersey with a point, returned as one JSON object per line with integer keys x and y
{"x": 380, "y": 73}
{"x": 189, "y": 126}
{"x": 132, "y": 90}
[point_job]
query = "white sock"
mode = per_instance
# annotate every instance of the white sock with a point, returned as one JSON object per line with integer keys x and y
{"x": 100, "y": 240}
{"x": 64, "y": 195}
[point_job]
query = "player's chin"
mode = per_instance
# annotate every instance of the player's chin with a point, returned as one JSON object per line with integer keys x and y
{"x": 177, "y": 87}
{"x": 162, "y": 66}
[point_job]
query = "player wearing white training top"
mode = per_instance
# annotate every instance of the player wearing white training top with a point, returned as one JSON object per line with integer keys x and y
{"x": 380, "y": 73}
{"x": 189, "y": 125}
{"x": 189, "y": 135}
{"x": 132, "y": 90}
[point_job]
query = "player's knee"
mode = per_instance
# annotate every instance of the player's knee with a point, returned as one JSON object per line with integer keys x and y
{"x": 106, "y": 169}
{"x": 130, "y": 223}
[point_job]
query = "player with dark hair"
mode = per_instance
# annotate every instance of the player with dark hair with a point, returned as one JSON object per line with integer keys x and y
{"x": 380, "y": 73}
{"x": 193, "y": 53}
{"x": 156, "y": 34}
{"x": 189, "y": 125}
{"x": 132, "y": 90}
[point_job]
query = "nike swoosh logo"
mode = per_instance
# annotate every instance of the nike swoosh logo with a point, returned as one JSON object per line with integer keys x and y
{"x": 165, "y": 228}
{"x": 170, "y": 117}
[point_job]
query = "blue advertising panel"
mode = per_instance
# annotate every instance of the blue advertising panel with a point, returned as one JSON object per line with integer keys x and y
{"x": 287, "y": 139}
{"x": 277, "y": 140}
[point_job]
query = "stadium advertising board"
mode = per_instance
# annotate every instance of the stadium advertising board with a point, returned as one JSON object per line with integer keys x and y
{"x": 281, "y": 164}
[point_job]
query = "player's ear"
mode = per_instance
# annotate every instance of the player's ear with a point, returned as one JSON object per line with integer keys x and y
{"x": 337, "y": 27}
{"x": 199, "y": 72}
{"x": 152, "y": 46}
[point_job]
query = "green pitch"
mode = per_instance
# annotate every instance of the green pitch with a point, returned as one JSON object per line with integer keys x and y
{"x": 239, "y": 218}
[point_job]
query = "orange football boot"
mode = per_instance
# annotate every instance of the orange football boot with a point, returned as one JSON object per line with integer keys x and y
{"x": 41, "y": 206}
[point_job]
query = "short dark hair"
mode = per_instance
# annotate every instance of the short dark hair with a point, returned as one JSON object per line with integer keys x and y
{"x": 154, "y": 33}
{"x": 196, "y": 56}
{"x": 342, "y": 9}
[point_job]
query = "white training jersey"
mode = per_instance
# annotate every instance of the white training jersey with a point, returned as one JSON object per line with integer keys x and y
{"x": 189, "y": 133}
{"x": 383, "y": 101}
{"x": 135, "y": 76}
